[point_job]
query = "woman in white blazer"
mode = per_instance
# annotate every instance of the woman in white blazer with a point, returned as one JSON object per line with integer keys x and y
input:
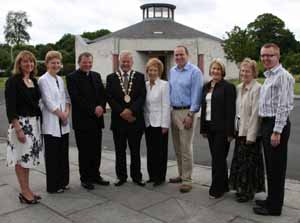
{"x": 55, "y": 128}
{"x": 247, "y": 170}
{"x": 157, "y": 121}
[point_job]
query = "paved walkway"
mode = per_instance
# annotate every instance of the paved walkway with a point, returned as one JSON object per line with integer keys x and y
{"x": 130, "y": 203}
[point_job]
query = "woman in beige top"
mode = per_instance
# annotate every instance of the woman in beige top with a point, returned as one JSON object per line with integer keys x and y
{"x": 247, "y": 170}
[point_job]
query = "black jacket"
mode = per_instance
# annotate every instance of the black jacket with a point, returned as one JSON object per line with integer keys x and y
{"x": 86, "y": 92}
{"x": 115, "y": 97}
{"x": 222, "y": 108}
{"x": 21, "y": 101}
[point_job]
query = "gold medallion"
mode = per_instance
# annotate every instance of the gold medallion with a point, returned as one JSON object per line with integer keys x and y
{"x": 127, "y": 98}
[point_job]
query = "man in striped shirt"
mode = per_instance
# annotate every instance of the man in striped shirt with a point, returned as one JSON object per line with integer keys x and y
{"x": 275, "y": 105}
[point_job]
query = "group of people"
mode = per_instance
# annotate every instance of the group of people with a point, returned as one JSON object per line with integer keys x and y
{"x": 255, "y": 116}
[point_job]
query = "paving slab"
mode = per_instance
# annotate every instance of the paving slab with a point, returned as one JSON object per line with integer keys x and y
{"x": 9, "y": 200}
{"x": 37, "y": 181}
{"x": 172, "y": 210}
{"x": 132, "y": 196}
{"x": 71, "y": 201}
{"x": 206, "y": 215}
{"x": 111, "y": 212}
{"x": 245, "y": 210}
{"x": 34, "y": 214}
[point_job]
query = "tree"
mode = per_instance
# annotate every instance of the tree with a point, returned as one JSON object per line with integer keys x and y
{"x": 15, "y": 29}
{"x": 239, "y": 45}
{"x": 268, "y": 28}
{"x": 96, "y": 34}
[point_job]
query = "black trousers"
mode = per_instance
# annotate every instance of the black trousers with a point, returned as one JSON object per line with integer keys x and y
{"x": 133, "y": 138}
{"x": 276, "y": 162}
{"x": 157, "y": 153}
{"x": 219, "y": 147}
{"x": 57, "y": 162}
{"x": 89, "y": 154}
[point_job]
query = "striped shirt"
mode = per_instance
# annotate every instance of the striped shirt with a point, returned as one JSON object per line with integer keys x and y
{"x": 277, "y": 96}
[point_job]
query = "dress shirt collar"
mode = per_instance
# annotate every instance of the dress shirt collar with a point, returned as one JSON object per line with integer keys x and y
{"x": 186, "y": 67}
{"x": 122, "y": 72}
{"x": 51, "y": 76}
{"x": 274, "y": 70}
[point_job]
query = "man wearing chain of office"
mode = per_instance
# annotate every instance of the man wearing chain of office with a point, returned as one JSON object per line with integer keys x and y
{"x": 126, "y": 92}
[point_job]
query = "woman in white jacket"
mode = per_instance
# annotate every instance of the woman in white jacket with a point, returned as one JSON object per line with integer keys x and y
{"x": 55, "y": 127}
{"x": 157, "y": 121}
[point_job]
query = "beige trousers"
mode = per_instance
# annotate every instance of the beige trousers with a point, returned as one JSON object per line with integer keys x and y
{"x": 183, "y": 144}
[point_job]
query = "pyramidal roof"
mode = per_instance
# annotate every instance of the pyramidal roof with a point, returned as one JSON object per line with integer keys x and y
{"x": 158, "y": 23}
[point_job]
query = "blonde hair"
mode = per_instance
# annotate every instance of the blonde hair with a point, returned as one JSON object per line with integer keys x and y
{"x": 52, "y": 55}
{"x": 21, "y": 56}
{"x": 220, "y": 63}
{"x": 252, "y": 64}
{"x": 155, "y": 63}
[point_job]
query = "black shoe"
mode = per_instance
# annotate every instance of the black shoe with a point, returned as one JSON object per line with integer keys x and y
{"x": 264, "y": 211}
{"x": 37, "y": 197}
{"x": 139, "y": 183}
{"x": 102, "y": 182}
{"x": 59, "y": 191}
{"x": 23, "y": 199}
{"x": 261, "y": 203}
{"x": 149, "y": 181}
{"x": 242, "y": 199}
{"x": 158, "y": 183}
{"x": 87, "y": 185}
{"x": 120, "y": 183}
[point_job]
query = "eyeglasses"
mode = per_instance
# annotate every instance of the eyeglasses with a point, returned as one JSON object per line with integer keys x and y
{"x": 267, "y": 55}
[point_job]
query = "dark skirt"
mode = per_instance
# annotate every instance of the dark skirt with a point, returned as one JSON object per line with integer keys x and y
{"x": 247, "y": 168}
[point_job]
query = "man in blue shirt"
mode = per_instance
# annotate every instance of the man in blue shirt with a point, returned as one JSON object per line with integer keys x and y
{"x": 186, "y": 81}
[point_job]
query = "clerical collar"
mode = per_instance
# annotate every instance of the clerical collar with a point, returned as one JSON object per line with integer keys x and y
{"x": 84, "y": 73}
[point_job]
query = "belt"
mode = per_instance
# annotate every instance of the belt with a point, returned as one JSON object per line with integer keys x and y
{"x": 264, "y": 119}
{"x": 181, "y": 107}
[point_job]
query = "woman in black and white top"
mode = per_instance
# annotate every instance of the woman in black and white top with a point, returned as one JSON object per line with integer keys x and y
{"x": 55, "y": 109}
{"x": 24, "y": 143}
{"x": 217, "y": 124}
{"x": 157, "y": 120}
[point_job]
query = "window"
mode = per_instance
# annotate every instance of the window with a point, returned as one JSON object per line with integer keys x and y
{"x": 151, "y": 12}
{"x": 158, "y": 12}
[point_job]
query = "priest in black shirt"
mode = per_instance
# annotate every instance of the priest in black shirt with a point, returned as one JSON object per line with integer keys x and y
{"x": 88, "y": 106}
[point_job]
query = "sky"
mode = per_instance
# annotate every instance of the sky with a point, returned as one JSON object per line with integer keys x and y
{"x": 51, "y": 19}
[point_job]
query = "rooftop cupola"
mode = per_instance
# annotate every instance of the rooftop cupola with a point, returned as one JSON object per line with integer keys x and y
{"x": 158, "y": 11}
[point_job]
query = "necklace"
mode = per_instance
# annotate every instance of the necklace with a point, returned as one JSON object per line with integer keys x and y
{"x": 127, "y": 97}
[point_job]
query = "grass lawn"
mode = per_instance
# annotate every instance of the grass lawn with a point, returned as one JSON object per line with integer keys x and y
{"x": 2, "y": 82}
{"x": 261, "y": 80}
{"x": 235, "y": 82}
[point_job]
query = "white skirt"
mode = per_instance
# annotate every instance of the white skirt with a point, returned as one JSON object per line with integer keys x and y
{"x": 27, "y": 154}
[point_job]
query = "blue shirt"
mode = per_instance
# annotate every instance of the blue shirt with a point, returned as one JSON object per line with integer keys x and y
{"x": 186, "y": 87}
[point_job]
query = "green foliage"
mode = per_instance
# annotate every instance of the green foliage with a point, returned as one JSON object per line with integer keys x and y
{"x": 266, "y": 28}
{"x": 43, "y": 49}
{"x": 96, "y": 34}
{"x": 18, "y": 48}
{"x": 239, "y": 45}
{"x": 292, "y": 61}
{"x": 4, "y": 58}
{"x": 15, "y": 29}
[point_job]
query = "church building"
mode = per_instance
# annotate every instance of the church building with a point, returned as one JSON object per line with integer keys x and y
{"x": 155, "y": 36}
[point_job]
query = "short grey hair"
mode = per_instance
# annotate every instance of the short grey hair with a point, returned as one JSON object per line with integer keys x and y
{"x": 125, "y": 53}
